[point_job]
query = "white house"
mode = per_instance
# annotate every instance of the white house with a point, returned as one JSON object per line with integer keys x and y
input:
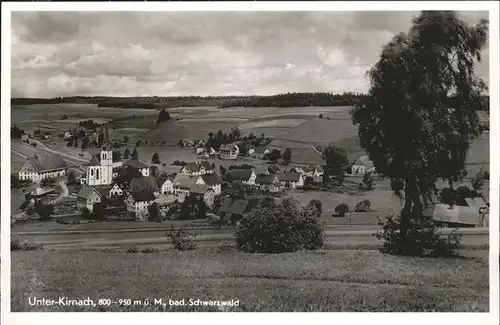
{"x": 205, "y": 192}
{"x": 259, "y": 152}
{"x": 362, "y": 165}
{"x": 138, "y": 203}
{"x": 267, "y": 182}
{"x": 87, "y": 197}
{"x": 115, "y": 191}
{"x": 167, "y": 187}
{"x": 229, "y": 151}
{"x": 138, "y": 165}
{"x": 309, "y": 171}
{"x": 240, "y": 175}
{"x": 37, "y": 168}
{"x": 290, "y": 179}
{"x": 197, "y": 168}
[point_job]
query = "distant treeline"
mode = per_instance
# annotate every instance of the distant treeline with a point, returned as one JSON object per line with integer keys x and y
{"x": 296, "y": 100}
{"x": 281, "y": 100}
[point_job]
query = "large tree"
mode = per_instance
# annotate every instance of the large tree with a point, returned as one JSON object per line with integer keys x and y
{"x": 336, "y": 159}
{"x": 406, "y": 124}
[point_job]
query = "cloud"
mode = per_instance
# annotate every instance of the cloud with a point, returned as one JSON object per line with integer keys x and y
{"x": 200, "y": 53}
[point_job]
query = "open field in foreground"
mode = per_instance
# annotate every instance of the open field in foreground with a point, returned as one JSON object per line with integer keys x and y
{"x": 305, "y": 281}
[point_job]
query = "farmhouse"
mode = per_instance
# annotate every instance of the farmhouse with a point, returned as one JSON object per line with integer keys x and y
{"x": 362, "y": 165}
{"x": 205, "y": 192}
{"x": 142, "y": 184}
{"x": 197, "y": 168}
{"x": 290, "y": 180}
{"x": 259, "y": 152}
{"x": 110, "y": 191}
{"x": 233, "y": 210}
{"x": 267, "y": 182}
{"x": 87, "y": 197}
{"x": 243, "y": 176}
{"x": 37, "y": 168}
{"x": 138, "y": 203}
{"x": 138, "y": 165}
{"x": 24, "y": 138}
{"x": 229, "y": 151}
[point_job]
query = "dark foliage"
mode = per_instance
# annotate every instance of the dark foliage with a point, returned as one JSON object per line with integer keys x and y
{"x": 280, "y": 229}
{"x": 181, "y": 239}
{"x": 420, "y": 240}
{"x": 16, "y": 132}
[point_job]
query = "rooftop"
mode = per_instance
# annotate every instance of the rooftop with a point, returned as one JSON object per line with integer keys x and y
{"x": 47, "y": 162}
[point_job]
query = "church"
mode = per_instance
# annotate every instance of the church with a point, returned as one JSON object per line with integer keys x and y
{"x": 100, "y": 168}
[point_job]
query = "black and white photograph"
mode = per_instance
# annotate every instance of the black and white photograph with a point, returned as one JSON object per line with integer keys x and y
{"x": 250, "y": 161}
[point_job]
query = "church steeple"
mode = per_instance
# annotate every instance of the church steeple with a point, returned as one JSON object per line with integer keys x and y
{"x": 106, "y": 142}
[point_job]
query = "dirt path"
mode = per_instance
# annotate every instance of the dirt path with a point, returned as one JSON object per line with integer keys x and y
{"x": 65, "y": 192}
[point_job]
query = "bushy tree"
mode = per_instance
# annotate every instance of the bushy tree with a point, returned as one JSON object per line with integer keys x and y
{"x": 279, "y": 229}
{"x": 336, "y": 159}
{"x": 315, "y": 208}
{"x": 287, "y": 155}
{"x": 126, "y": 154}
{"x": 125, "y": 139}
{"x": 274, "y": 155}
{"x": 478, "y": 180}
{"x": 341, "y": 209}
{"x": 135, "y": 154}
{"x": 406, "y": 124}
{"x": 163, "y": 116}
{"x": 368, "y": 180}
{"x": 71, "y": 177}
{"x": 156, "y": 158}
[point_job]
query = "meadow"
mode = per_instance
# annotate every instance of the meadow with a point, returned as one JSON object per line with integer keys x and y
{"x": 347, "y": 281}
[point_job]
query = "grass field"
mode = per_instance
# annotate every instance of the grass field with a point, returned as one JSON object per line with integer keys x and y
{"x": 307, "y": 281}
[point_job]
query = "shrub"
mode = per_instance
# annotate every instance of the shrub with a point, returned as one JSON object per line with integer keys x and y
{"x": 363, "y": 206}
{"x": 225, "y": 246}
{"x": 85, "y": 213}
{"x": 181, "y": 239}
{"x": 279, "y": 229}
{"x": 132, "y": 249}
{"x": 341, "y": 209}
{"x": 421, "y": 239}
{"x": 150, "y": 250}
{"x": 315, "y": 208}
{"x": 17, "y": 245}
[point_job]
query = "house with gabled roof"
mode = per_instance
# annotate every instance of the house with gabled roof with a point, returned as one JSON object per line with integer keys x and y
{"x": 290, "y": 179}
{"x": 166, "y": 186}
{"x": 241, "y": 175}
{"x": 205, "y": 192}
{"x": 213, "y": 181}
{"x": 268, "y": 182}
{"x": 182, "y": 185}
{"x": 87, "y": 197}
{"x": 362, "y": 165}
{"x": 37, "y": 167}
{"x": 229, "y": 151}
{"x": 454, "y": 216}
{"x": 138, "y": 165}
{"x": 309, "y": 171}
{"x": 197, "y": 168}
{"x": 258, "y": 152}
{"x": 139, "y": 202}
{"x": 141, "y": 184}
{"x": 233, "y": 210}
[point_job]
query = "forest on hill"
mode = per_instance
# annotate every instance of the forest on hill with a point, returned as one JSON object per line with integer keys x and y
{"x": 280, "y": 100}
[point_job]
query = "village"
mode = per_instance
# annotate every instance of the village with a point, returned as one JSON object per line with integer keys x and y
{"x": 113, "y": 187}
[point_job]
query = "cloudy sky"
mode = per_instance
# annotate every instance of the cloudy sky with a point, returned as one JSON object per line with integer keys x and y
{"x": 200, "y": 53}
